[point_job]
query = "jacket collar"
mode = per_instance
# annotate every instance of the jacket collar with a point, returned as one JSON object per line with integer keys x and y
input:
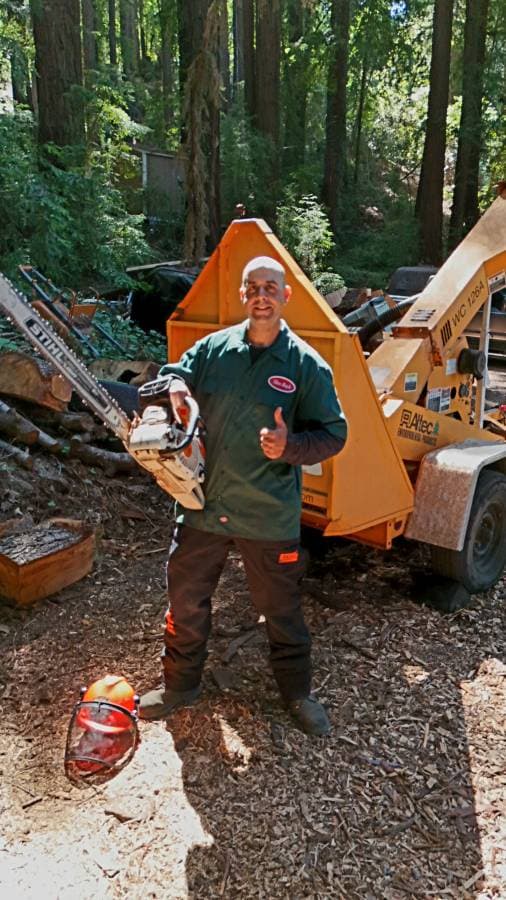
{"x": 279, "y": 349}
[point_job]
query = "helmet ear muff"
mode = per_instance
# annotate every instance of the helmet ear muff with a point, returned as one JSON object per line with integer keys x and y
{"x": 103, "y": 735}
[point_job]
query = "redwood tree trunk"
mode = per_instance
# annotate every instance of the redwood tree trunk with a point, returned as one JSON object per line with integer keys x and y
{"x": 267, "y": 93}
{"x": 199, "y": 36}
{"x": 429, "y": 200}
{"x": 247, "y": 11}
{"x": 57, "y": 37}
{"x": 166, "y": 30}
{"x": 128, "y": 37}
{"x": 238, "y": 32}
{"x": 268, "y": 56}
{"x": 335, "y": 142}
{"x": 465, "y": 211}
{"x": 223, "y": 54}
{"x": 113, "y": 52}
{"x": 295, "y": 78}
{"x": 360, "y": 117}
{"x": 90, "y": 54}
{"x": 191, "y": 21}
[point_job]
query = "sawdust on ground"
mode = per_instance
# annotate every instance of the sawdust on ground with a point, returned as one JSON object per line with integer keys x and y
{"x": 405, "y": 799}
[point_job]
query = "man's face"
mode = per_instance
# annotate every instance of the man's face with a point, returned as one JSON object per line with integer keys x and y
{"x": 264, "y": 295}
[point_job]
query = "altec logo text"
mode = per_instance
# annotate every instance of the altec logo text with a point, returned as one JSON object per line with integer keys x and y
{"x": 415, "y": 427}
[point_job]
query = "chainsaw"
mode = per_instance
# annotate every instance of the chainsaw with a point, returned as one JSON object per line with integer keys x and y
{"x": 169, "y": 450}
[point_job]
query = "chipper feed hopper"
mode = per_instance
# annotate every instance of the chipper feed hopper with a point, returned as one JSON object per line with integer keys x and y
{"x": 421, "y": 459}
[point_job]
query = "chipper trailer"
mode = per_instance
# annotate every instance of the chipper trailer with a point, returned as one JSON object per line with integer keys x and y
{"x": 421, "y": 460}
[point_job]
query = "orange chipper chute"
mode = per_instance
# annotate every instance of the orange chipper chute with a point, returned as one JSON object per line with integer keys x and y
{"x": 103, "y": 733}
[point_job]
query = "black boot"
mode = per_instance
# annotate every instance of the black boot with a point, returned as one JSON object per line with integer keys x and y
{"x": 159, "y": 704}
{"x": 310, "y": 715}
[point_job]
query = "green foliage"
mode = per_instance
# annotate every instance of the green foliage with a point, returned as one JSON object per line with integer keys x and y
{"x": 71, "y": 222}
{"x": 137, "y": 343}
{"x": 245, "y": 156}
{"x": 371, "y": 254}
{"x": 328, "y": 282}
{"x": 304, "y": 229}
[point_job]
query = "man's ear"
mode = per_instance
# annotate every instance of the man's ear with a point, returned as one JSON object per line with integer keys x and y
{"x": 242, "y": 294}
{"x": 287, "y": 293}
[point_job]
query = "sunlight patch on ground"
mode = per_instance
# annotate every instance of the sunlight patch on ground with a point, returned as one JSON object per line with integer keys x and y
{"x": 484, "y": 705}
{"x": 233, "y": 746}
{"x": 131, "y": 838}
{"x": 414, "y": 674}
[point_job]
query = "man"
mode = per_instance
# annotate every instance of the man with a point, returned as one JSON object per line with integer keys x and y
{"x": 269, "y": 405}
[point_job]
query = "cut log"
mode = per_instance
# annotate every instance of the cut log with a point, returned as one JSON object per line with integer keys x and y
{"x": 22, "y": 457}
{"x": 33, "y": 380}
{"x": 112, "y": 463}
{"x": 45, "y": 559}
{"x": 73, "y": 422}
{"x": 21, "y": 429}
{"x": 16, "y": 426}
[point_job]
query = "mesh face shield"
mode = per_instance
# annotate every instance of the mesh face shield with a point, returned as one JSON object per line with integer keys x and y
{"x": 101, "y": 740}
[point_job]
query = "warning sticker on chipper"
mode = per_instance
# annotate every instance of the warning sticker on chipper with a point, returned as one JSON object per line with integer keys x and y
{"x": 439, "y": 399}
{"x": 411, "y": 381}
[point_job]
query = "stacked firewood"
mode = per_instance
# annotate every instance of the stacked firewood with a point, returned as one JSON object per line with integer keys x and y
{"x": 34, "y": 414}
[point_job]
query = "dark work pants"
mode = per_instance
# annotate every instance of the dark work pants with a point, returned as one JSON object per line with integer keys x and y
{"x": 274, "y": 570}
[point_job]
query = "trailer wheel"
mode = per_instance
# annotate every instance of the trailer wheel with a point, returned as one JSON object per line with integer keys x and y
{"x": 480, "y": 563}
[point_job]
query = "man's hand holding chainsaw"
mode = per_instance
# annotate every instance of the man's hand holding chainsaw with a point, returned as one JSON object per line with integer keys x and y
{"x": 178, "y": 392}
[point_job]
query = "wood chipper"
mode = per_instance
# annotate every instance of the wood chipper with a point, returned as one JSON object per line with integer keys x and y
{"x": 421, "y": 459}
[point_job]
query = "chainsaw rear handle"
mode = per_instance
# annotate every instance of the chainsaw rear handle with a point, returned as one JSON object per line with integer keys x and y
{"x": 190, "y": 425}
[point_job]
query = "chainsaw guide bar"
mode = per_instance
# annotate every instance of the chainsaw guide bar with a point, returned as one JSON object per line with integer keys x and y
{"x": 172, "y": 455}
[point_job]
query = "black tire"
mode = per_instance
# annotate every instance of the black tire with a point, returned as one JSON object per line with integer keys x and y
{"x": 480, "y": 563}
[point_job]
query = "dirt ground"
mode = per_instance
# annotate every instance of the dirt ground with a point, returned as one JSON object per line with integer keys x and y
{"x": 405, "y": 799}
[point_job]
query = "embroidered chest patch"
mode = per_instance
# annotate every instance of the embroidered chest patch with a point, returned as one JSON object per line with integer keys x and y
{"x": 280, "y": 383}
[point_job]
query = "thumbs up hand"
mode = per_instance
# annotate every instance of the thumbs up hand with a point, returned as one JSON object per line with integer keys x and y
{"x": 273, "y": 440}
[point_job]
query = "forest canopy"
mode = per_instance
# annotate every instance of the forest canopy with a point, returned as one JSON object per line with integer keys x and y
{"x": 368, "y": 133}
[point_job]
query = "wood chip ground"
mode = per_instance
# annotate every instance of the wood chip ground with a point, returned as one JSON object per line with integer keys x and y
{"x": 405, "y": 799}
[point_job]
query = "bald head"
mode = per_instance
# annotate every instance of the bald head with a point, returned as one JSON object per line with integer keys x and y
{"x": 268, "y": 265}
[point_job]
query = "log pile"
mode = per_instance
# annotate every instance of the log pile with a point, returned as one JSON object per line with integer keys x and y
{"x": 34, "y": 417}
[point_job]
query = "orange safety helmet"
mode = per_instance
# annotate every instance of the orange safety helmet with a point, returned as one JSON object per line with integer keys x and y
{"x": 103, "y": 733}
{"x": 104, "y": 703}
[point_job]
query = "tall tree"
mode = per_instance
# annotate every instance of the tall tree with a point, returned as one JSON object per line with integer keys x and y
{"x": 267, "y": 66}
{"x": 465, "y": 210}
{"x": 89, "y": 18}
{"x": 113, "y": 51}
{"x": 202, "y": 116}
{"x": 129, "y": 37}
{"x": 335, "y": 137}
{"x": 429, "y": 200}
{"x": 224, "y": 55}
{"x": 142, "y": 34}
{"x": 238, "y": 44}
{"x": 167, "y": 29}
{"x": 57, "y": 37}
{"x": 295, "y": 85}
{"x": 191, "y": 22}
{"x": 247, "y": 10}
{"x": 267, "y": 95}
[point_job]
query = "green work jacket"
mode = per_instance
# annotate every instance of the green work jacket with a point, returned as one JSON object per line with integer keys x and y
{"x": 248, "y": 495}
